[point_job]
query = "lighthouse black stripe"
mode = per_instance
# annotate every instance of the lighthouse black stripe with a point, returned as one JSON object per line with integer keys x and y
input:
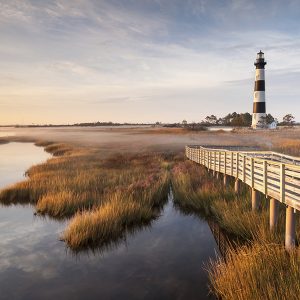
{"x": 259, "y": 107}
{"x": 259, "y": 85}
{"x": 260, "y": 66}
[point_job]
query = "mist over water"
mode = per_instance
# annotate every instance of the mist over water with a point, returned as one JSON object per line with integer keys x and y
{"x": 141, "y": 138}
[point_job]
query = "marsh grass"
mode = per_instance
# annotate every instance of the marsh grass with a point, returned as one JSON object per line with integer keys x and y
{"x": 288, "y": 146}
{"x": 197, "y": 191}
{"x": 103, "y": 196}
{"x": 111, "y": 220}
{"x": 261, "y": 268}
{"x": 258, "y": 271}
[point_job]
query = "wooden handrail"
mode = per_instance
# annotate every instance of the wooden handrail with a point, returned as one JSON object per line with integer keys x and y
{"x": 261, "y": 170}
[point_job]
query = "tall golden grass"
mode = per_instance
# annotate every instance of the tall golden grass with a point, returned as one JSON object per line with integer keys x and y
{"x": 104, "y": 196}
{"x": 288, "y": 146}
{"x": 258, "y": 271}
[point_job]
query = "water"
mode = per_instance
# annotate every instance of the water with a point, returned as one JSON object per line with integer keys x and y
{"x": 16, "y": 158}
{"x": 164, "y": 261}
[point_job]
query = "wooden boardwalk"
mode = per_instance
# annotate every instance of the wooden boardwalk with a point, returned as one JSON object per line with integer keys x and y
{"x": 275, "y": 175}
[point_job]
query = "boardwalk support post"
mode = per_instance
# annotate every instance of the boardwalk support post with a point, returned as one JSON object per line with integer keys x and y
{"x": 237, "y": 186}
{"x": 225, "y": 180}
{"x": 255, "y": 199}
{"x": 290, "y": 232}
{"x": 274, "y": 206}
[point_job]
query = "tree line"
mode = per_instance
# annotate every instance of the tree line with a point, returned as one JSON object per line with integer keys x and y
{"x": 243, "y": 119}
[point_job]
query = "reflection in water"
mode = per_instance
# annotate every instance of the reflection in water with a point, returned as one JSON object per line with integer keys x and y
{"x": 162, "y": 261}
{"x": 223, "y": 240}
{"x": 221, "y": 237}
{"x": 165, "y": 261}
{"x": 16, "y": 158}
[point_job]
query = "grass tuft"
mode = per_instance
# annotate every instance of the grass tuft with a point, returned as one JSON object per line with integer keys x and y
{"x": 259, "y": 271}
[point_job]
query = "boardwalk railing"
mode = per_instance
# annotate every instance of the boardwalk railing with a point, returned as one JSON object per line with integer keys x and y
{"x": 275, "y": 175}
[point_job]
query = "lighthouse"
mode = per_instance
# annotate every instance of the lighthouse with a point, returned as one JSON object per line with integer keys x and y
{"x": 259, "y": 100}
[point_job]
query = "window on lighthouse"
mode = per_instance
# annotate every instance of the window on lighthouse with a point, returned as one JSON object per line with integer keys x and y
{"x": 260, "y": 55}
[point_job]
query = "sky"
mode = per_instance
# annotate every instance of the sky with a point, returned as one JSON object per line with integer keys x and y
{"x": 65, "y": 61}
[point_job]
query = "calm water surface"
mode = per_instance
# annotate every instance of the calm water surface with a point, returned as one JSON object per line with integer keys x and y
{"x": 16, "y": 158}
{"x": 164, "y": 261}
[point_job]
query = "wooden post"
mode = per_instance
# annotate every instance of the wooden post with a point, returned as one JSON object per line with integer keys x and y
{"x": 237, "y": 186}
{"x": 252, "y": 172}
{"x": 290, "y": 232}
{"x": 219, "y": 155}
{"x": 231, "y": 163}
{"x": 274, "y": 207}
{"x": 255, "y": 199}
{"x": 237, "y": 164}
{"x": 215, "y": 161}
{"x": 200, "y": 156}
{"x": 282, "y": 183}
{"x": 225, "y": 180}
{"x": 225, "y": 161}
{"x": 265, "y": 177}
{"x": 244, "y": 168}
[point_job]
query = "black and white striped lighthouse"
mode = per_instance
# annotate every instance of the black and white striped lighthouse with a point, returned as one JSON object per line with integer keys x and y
{"x": 259, "y": 101}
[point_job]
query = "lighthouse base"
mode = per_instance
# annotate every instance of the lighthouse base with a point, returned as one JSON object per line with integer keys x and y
{"x": 259, "y": 121}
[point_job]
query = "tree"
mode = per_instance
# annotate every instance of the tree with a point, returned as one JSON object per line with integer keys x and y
{"x": 269, "y": 119}
{"x": 212, "y": 119}
{"x": 247, "y": 119}
{"x": 184, "y": 123}
{"x": 221, "y": 121}
{"x": 288, "y": 120}
{"x": 262, "y": 123}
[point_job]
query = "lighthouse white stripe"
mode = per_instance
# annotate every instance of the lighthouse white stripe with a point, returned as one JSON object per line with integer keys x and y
{"x": 260, "y": 74}
{"x": 259, "y": 96}
{"x": 256, "y": 118}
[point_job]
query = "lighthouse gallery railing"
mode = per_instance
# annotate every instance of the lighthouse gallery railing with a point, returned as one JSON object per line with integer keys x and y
{"x": 274, "y": 174}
